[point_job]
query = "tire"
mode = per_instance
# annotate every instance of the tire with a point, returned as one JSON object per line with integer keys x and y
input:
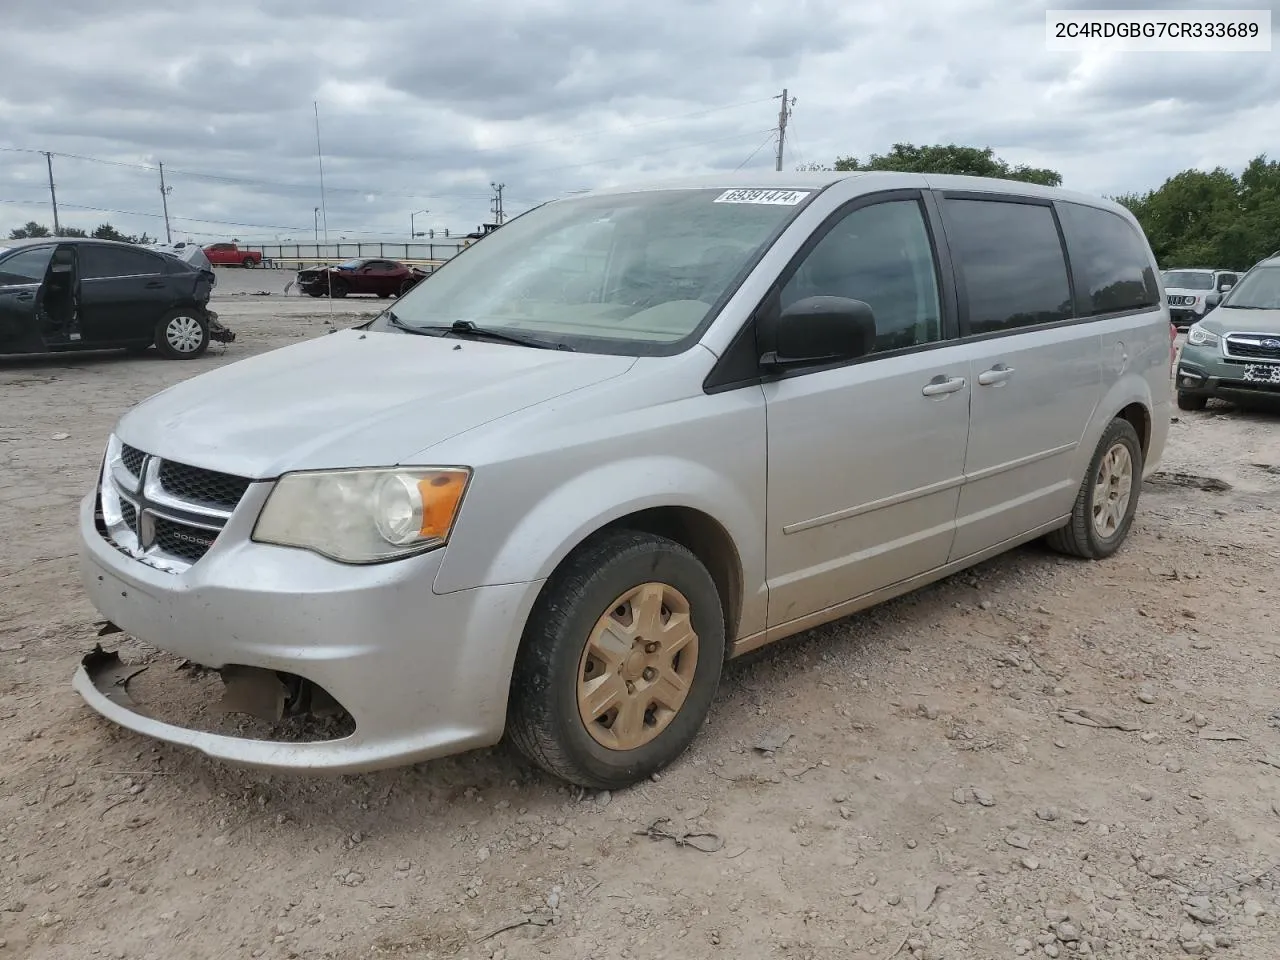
{"x": 1082, "y": 536}
{"x": 338, "y": 289}
{"x": 315, "y": 293}
{"x": 557, "y": 658}
{"x": 182, "y": 335}
{"x": 247, "y": 262}
{"x": 1192, "y": 401}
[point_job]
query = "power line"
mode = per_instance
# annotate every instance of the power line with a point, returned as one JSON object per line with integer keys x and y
{"x": 767, "y": 139}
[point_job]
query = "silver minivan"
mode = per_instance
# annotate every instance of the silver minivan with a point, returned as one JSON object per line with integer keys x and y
{"x": 621, "y": 439}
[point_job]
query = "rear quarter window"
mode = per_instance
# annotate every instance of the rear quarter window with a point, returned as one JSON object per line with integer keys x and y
{"x": 1110, "y": 260}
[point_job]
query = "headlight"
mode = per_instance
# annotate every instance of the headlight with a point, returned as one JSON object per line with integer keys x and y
{"x": 1201, "y": 337}
{"x": 363, "y": 516}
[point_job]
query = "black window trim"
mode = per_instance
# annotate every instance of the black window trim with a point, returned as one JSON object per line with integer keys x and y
{"x": 739, "y": 365}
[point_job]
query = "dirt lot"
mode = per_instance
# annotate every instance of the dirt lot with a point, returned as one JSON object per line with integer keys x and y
{"x": 1039, "y": 757}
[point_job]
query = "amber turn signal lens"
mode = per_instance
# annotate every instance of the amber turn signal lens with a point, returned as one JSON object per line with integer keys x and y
{"x": 441, "y": 494}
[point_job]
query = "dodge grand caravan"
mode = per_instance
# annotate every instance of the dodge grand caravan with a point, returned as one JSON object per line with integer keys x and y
{"x": 631, "y": 434}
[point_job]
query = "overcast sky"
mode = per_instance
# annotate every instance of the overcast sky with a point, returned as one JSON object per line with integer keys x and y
{"x": 423, "y": 105}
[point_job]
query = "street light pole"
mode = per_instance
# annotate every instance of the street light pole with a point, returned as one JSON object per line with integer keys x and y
{"x": 412, "y": 228}
{"x": 317, "y": 222}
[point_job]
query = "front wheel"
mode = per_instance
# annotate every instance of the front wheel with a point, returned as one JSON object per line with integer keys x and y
{"x": 338, "y": 289}
{"x": 1192, "y": 401}
{"x": 1107, "y": 499}
{"x": 182, "y": 335}
{"x": 619, "y": 662}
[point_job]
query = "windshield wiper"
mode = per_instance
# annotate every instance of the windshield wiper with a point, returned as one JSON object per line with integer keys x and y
{"x": 401, "y": 325}
{"x": 468, "y": 328}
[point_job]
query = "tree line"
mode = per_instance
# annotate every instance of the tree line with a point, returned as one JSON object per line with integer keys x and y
{"x": 104, "y": 231}
{"x": 1194, "y": 219}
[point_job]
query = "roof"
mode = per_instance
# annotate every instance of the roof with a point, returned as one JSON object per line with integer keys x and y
{"x": 35, "y": 241}
{"x": 873, "y": 180}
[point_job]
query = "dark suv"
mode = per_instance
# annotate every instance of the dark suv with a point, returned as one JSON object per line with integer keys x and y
{"x": 76, "y": 294}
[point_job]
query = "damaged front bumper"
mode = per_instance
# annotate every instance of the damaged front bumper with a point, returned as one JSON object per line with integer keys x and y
{"x": 421, "y": 674}
{"x": 217, "y": 332}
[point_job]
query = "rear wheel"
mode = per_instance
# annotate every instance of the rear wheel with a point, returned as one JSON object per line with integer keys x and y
{"x": 619, "y": 662}
{"x": 1108, "y": 497}
{"x": 247, "y": 262}
{"x": 182, "y": 335}
{"x": 1192, "y": 401}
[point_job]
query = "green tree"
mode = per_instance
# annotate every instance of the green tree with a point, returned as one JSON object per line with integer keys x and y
{"x": 1214, "y": 218}
{"x": 71, "y": 232}
{"x": 106, "y": 231}
{"x": 950, "y": 158}
{"x": 29, "y": 230}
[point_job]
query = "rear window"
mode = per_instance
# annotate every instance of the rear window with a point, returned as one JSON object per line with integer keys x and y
{"x": 1011, "y": 261}
{"x": 1110, "y": 260}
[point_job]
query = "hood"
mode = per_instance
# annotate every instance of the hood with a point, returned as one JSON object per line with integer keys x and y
{"x": 1187, "y": 292}
{"x": 1235, "y": 320}
{"x": 351, "y": 399}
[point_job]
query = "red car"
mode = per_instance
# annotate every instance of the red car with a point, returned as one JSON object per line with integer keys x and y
{"x": 228, "y": 254}
{"x": 385, "y": 278}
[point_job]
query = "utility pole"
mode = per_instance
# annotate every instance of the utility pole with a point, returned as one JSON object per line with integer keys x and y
{"x": 316, "y": 218}
{"x": 53, "y": 196}
{"x": 498, "y": 216}
{"x": 783, "y": 113}
{"x": 164, "y": 198}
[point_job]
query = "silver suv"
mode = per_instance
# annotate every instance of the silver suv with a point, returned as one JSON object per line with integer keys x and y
{"x": 623, "y": 438}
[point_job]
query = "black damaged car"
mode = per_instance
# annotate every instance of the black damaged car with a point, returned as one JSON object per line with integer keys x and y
{"x": 63, "y": 293}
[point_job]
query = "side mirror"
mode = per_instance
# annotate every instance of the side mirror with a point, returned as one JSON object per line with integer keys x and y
{"x": 816, "y": 330}
{"x": 1213, "y": 299}
{"x": 1225, "y": 287}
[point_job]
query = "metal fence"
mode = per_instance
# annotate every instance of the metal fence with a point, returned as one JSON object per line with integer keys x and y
{"x": 290, "y": 254}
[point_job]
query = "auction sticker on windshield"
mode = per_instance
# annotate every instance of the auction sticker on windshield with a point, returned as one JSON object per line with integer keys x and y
{"x": 785, "y": 198}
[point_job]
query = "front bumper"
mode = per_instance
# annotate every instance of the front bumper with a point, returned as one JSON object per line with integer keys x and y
{"x": 1204, "y": 371}
{"x": 422, "y": 674}
{"x": 1183, "y": 317}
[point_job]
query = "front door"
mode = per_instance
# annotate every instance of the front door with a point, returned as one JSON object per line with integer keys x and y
{"x": 21, "y": 288}
{"x": 866, "y": 460}
{"x": 1036, "y": 376}
{"x": 124, "y": 292}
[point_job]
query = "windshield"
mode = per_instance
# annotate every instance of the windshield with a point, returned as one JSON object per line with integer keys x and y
{"x": 1259, "y": 289}
{"x": 350, "y": 264}
{"x": 633, "y": 273}
{"x": 1188, "y": 279}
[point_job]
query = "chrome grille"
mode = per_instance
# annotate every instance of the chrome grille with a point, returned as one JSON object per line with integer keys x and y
{"x": 202, "y": 486}
{"x": 1253, "y": 346}
{"x": 164, "y": 513}
{"x": 132, "y": 459}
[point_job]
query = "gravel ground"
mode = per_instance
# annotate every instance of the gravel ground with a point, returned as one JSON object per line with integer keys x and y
{"x": 1035, "y": 758}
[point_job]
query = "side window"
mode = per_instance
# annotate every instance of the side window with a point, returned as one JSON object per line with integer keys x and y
{"x": 97, "y": 262}
{"x": 29, "y": 266}
{"x": 881, "y": 255}
{"x": 1011, "y": 260}
{"x": 1110, "y": 259}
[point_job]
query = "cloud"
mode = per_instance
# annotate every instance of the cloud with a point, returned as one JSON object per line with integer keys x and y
{"x": 424, "y": 110}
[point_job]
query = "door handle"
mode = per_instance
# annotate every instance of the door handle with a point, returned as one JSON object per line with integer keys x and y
{"x": 940, "y": 386}
{"x": 25, "y": 296}
{"x": 154, "y": 284}
{"x": 996, "y": 376}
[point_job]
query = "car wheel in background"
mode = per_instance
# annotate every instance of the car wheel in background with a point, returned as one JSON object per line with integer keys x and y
{"x": 1192, "y": 401}
{"x": 619, "y": 661}
{"x": 247, "y": 262}
{"x": 338, "y": 289}
{"x": 182, "y": 335}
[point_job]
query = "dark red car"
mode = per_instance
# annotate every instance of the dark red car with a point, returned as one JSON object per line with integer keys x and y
{"x": 384, "y": 278}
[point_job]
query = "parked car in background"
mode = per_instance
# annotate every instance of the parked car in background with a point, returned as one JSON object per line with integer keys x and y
{"x": 383, "y": 278}
{"x": 1234, "y": 352}
{"x": 232, "y": 255}
{"x": 80, "y": 294}
{"x": 1193, "y": 291}
{"x": 631, "y": 434}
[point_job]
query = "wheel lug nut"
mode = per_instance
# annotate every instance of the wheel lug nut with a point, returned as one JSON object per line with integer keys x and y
{"x": 650, "y": 673}
{"x": 651, "y": 647}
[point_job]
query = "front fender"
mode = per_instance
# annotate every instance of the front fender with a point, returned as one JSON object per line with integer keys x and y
{"x": 570, "y": 512}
